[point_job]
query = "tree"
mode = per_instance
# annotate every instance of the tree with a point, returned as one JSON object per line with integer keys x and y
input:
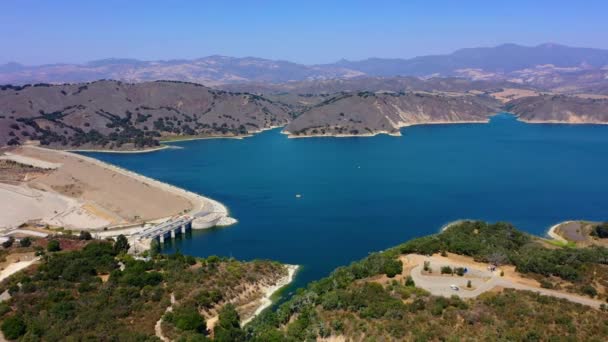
{"x": 497, "y": 258}
{"x": 468, "y": 283}
{"x": 85, "y": 235}
{"x": 53, "y": 246}
{"x": 228, "y": 328}
{"x": 25, "y": 242}
{"x": 8, "y": 243}
{"x": 409, "y": 281}
{"x": 393, "y": 267}
{"x": 121, "y": 245}
{"x": 187, "y": 318}
{"x": 154, "y": 248}
{"x": 446, "y": 270}
{"x": 601, "y": 230}
{"x": 13, "y": 327}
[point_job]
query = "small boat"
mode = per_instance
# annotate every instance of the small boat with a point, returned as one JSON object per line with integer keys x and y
{"x": 298, "y": 195}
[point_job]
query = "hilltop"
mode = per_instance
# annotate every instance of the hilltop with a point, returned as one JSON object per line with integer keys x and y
{"x": 545, "y": 65}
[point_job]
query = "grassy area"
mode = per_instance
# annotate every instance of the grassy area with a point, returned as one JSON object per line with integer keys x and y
{"x": 563, "y": 244}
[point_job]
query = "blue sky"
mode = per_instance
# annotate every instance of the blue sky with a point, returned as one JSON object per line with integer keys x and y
{"x": 50, "y": 31}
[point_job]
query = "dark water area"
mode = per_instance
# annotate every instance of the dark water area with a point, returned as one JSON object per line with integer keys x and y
{"x": 360, "y": 195}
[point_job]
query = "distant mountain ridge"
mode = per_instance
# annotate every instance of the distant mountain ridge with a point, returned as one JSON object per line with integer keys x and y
{"x": 509, "y": 62}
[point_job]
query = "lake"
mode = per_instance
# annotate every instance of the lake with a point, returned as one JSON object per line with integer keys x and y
{"x": 360, "y": 195}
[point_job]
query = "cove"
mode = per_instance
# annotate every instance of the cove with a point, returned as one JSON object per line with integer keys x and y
{"x": 360, "y": 195}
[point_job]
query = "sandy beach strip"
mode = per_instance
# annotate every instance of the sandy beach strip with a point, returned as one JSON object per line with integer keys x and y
{"x": 266, "y": 300}
{"x": 552, "y": 232}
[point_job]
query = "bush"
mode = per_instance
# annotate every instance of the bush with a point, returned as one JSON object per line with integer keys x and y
{"x": 187, "y": 318}
{"x": 8, "y": 243}
{"x": 53, "y": 246}
{"x": 228, "y": 328}
{"x": 409, "y": 281}
{"x": 393, "y": 267}
{"x": 589, "y": 290}
{"x": 121, "y": 245}
{"x": 85, "y": 235}
{"x": 25, "y": 242}
{"x": 469, "y": 284}
{"x": 459, "y": 271}
{"x": 544, "y": 283}
{"x": 13, "y": 327}
{"x": 446, "y": 270}
{"x": 601, "y": 231}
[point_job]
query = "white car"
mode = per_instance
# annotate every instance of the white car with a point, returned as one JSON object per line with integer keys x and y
{"x": 454, "y": 287}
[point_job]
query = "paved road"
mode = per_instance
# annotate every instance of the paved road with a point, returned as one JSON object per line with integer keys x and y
{"x": 482, "y": 281}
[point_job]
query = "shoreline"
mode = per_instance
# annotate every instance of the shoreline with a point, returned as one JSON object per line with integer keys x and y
{"x": 166, "y": 143}
{"x": 397, "y": 134}
{"x": 552, "y": 232}
{"x": 559, "y": 122}
{"x": 199, "y": 202}
{"x": 146, "y": 150}
{"x": 266, "y": 301}
{"x": 453, "y": 223}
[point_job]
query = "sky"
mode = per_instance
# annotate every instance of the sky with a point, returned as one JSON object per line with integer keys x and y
{"x": 311, "y": 32}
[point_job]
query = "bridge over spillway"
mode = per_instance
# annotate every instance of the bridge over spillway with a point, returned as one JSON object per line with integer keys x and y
{"x": 167, "y": 229}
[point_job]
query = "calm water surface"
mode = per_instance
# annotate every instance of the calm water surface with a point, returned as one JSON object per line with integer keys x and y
{"x": 366, "y": 194}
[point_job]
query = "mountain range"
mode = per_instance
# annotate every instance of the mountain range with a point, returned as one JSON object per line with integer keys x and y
{"x": 539, "y": 66}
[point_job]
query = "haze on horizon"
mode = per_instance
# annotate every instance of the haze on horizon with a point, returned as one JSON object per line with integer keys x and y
{"x": 311, "y": 32}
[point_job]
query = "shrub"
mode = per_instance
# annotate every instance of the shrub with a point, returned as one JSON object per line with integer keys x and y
{"x": 228, "y": 328}
{"x": 446, "y": 270}
{"x": 601, "y": 230}
{"x": 25, "y": 242}
{"x": 187, "y": 318}
{"x": 85, "y": 235}
{"x": 53, "y": 246}
{"x": 8, "y": 243}
{"x": 13, "y": 327}
{"x": 544, "y": 283}
{"x": 468, "y": 283}
{"x": 121, "y": 245}
{"x": 589, "y": 290}
{"x": 409, "y": 281}
{"x": 459, "y": 271}
{"x": 393, "y": 267}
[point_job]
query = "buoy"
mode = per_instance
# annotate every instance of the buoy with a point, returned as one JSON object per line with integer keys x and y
{"x": 298, "y": 195}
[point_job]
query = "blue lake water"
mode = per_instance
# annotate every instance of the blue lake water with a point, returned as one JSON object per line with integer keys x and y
{"x": 366, "y": 194}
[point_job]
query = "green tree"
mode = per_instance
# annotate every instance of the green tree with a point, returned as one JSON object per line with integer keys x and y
{"x": 187, "y": 318}
{"x": 85, "y": 235}
{"x": 13, "y": 327}
{"x": 53, "y": 246}
{"x": 154, "y": 248}
{"x": 228, "y": 328}
{"x": 25, "y": 242}
{"x": 8, "y": 243}
{"x": 122, "y": 244}
{"x": 601, "y": 230}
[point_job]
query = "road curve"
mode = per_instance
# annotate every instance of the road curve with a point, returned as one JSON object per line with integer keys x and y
{"x": 440, "y": 285}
